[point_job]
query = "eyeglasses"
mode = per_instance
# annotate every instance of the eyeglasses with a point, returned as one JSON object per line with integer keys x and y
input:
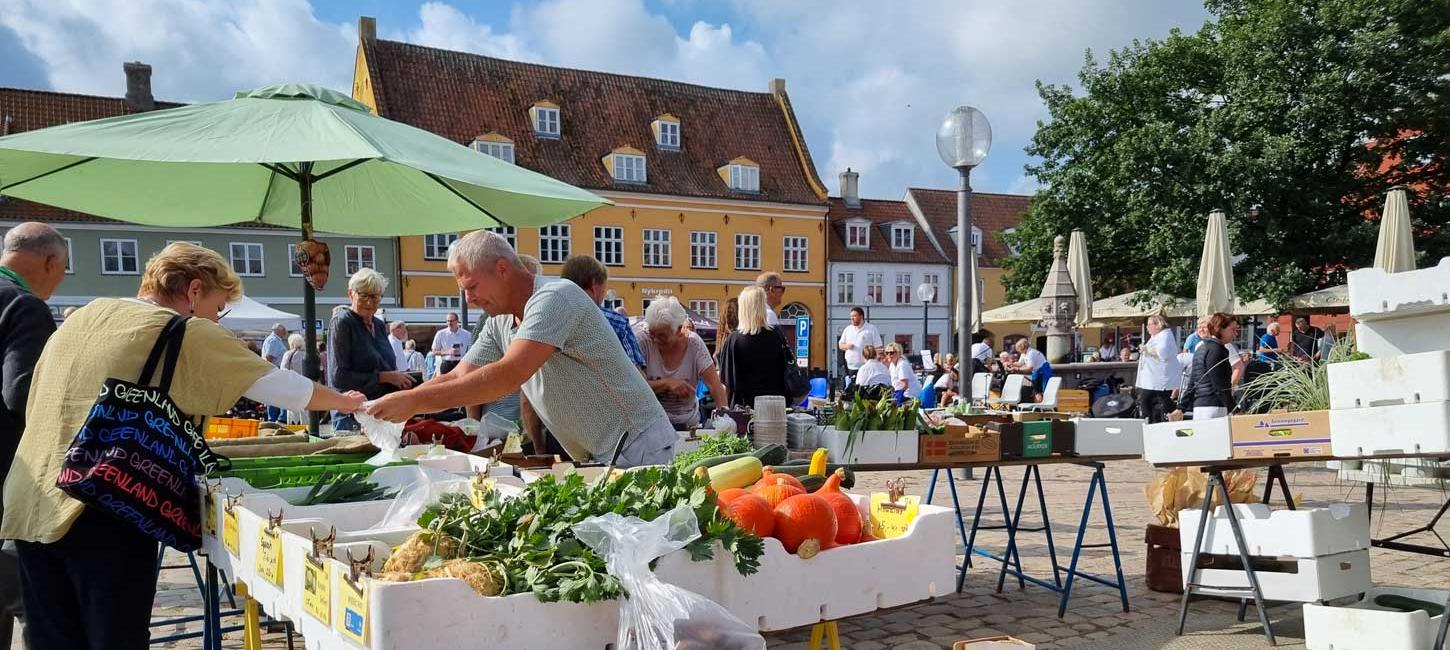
{"x": 368, "y": 296}
{"x": 777, "y": 288}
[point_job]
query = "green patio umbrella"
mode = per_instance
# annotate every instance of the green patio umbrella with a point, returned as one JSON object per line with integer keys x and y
{"x": 289, "y": 155}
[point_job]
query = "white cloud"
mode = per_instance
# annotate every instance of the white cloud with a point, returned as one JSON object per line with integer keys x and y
{"x": 443, "y": 26}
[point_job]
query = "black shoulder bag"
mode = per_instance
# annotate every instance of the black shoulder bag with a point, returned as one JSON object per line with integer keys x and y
{"x": 797, "y": 384}
{"x": 137, "y": 455}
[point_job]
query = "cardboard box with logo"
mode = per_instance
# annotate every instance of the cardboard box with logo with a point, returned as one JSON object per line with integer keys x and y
{"x": 1295, "y": 434}
{"x": 961, "y": 444}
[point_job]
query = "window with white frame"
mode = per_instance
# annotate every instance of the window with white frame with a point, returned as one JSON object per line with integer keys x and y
{"x": 629, "y": 168}
{"x": 669, "y": 134}
{"x": 359, "y": 257}
{"x": 194, "y": 242}
{"x": 553, "y": 244}
{"x": 442, "y": 302}
{"x": 796, "y": 251}
{"x": 977, "y": 239}
{"x": 702, "y": 250}
{"x": 612, "y": 303}
{"x": 933, "y": 279}
{"x": 903, "y": 288}
{"x": 858, "y": 235}
{"x": 656, "y": 247}
{"x": 70, "y": 265}
{"x": 903, "y": 236}
{"x": 501, "y": 150}
{"x": 874, "y": 282}
{"x": 247, "y": 259}
{"x": 707, "y": 308}
{"x": 292, "y": 268}
{"x": 546, "y": 121}
{"x": 609, "y": 246}
{"x": 435, "y": 247}
{"x": 745, "y": 178}
{"x": 1011, "y": 247}
{"x": 747, "y": 252}
{"x": 507, "y": 232}
{"x": 845, "y": 287}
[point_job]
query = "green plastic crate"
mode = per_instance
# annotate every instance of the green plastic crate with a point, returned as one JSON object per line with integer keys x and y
{"x": 310, "y": 460}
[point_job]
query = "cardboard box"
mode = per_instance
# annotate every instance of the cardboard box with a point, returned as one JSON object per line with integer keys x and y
{"x": 1035, "y": 439}
{"x": 994, "y": 643}
{"x": 1038, "y": 416}
{"x": 1297, "y": 434}
{"x": 961, "y": 444}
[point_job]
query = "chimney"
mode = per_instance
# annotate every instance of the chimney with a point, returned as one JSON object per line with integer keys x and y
{"x": 138, "y": 87}
{"x": 849, "y": 188}
{"x": 777, "y": 86}
{"x": 367, "y": 28}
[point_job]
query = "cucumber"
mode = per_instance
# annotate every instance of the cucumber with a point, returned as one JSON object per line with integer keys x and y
{"x": 772, "y": 454}
{"x": 801, "y": 471}
{"x": 713, "y": 461}
{"x": 812, "y": 482}
{"x": 804, "y": 462}
{"x": 1407, "y": 604}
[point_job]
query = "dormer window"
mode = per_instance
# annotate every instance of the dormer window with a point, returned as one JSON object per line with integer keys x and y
{"x": 742, "y": 175}
{"x": 626, "y": 165}
{"x": 495, "y": 145}
{"x": 903, "y": 236}
{"x": 545, "y": 116}
{"x": 858, "y": 234}
{"x": 1006, "y": 238}
{"x": 667, "y": 132}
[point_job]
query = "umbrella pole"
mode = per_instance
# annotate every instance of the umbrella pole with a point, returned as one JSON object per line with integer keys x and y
{"x": 311, "y": 363}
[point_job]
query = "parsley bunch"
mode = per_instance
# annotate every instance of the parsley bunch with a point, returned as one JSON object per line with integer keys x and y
{"x": 529, "y": 539}
{"x": 722, "y": 443}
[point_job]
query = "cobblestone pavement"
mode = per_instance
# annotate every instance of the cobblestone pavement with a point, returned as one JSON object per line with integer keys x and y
{"x": 1095, "y": 619}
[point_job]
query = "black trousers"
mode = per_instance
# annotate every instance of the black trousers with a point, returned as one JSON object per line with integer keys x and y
{"x": 92, "y": 589}
{"x": 1155, "y": 405}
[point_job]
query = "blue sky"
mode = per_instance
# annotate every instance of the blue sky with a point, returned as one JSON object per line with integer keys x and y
{"x": 869, "y": 80}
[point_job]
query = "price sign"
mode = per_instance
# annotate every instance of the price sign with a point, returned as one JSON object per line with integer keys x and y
{"x": 479, "y": 490}
{"x": 269, "y": 555}
{"x": 892, "y": 518}
{"x": 352, "y": 611}
{"x": 317, "y": 590}
{"x": 230, "y": 538}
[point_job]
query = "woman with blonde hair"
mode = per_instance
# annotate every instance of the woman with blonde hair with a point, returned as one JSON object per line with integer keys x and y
{"x": 88, "y": 575}
{"x": 362, "y": 358}
{"x": 752, "y": 360}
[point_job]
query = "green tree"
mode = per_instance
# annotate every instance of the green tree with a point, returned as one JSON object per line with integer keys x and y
{"x": 1293, "y": 116}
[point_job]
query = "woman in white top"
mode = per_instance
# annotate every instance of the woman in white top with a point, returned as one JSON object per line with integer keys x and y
{"x": 293, "y": 360}
{"x": 872, "y": 372}
{"x": 1158, "y": 370}
{"x": 903, "y": 378}
{"x": 412, "y": 356}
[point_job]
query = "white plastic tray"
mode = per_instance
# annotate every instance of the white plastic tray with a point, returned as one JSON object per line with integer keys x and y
{"x": 1189, "y": 441}
{"x": 871, "y": 447}
{"x": 1322, "y": 578}
{"x": 1386, "y": 381}
{"x": 1365, "y": 626}
{"x": 1420, "y": 429}
{"x": 1377, "y": 295}
{"x": 1310, "y": 532}
{"x": 1108, "y": 436}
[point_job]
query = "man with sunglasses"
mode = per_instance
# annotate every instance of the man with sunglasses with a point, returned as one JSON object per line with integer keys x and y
{"x": 774, "y": 295}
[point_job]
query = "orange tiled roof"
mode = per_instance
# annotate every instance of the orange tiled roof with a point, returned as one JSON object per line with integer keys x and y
{"x": 881, "y": 213}
{"x": 992, "y": 213}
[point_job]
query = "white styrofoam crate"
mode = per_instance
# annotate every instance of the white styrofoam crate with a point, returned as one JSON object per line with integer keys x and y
{"x": 1409, "y": 335}
{"x": 1310, "y": 532}
{"x": 1108, "y": 436}
{"x": 871, "y": 447}
{"x": 1189, "y": 441}
{"x": 1385, "y": 381}
{"x": 1363, "y": 625}
{"x": 1421, "y": 429}
{"x": 1377, "y": 295}
{"x": 1320, "y": 578}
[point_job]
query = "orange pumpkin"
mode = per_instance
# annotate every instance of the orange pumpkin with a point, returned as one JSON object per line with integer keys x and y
{"x": 848, "y": 516}
{"x": 779, "y": 491}
{"x": 768, "y": 476}
{"x": 805, "y": 524}
{"x": 726, "y": 496}
{"x": 751, "y": 513}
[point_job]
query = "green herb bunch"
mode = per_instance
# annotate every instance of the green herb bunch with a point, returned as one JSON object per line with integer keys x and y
{"x": 880, "y": 415}
{"x": 723, "y": 443}
{"x": 529, "y": 539}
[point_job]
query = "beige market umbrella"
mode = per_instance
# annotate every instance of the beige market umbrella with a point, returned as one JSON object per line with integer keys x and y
{"x": 1322, "y": 300}
{"x": 1082, "y": 276}
{"x": 1027, "y": 311}
{"x": 1395, "y": 252}
{"x": 1215, "y": 269}
{"x": 1131, "y": 307}
{"x": 978, "y": 300}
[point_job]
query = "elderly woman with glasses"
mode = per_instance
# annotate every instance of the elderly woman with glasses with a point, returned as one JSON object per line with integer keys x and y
{"x": 903, "y": 377}
{"x": 361, "y": 357}
{"x": 675, "y": 361}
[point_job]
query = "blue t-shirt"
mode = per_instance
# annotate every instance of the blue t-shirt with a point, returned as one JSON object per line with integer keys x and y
{"x": 1268, "y": 340}
{"x": 1191, "y": 343}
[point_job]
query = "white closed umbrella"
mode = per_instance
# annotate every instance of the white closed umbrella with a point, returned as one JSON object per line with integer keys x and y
{"x": 1215, "y": 269}
{"x": 1082, "y": 276}
{"x": 1395, "y": 252}
{"x": 979, "y": 301}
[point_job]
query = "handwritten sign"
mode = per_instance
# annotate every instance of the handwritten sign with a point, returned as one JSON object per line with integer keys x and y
{"x": 317, "y": 590}
{"x": 231, "y": 539}
{"x": 892, "y": 518}
{"x": 352, "y": 611}
{"x": 479, "y": 490}
{"x": 269, "y": 555}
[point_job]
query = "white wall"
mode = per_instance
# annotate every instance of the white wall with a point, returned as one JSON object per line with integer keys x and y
{"x": 890, "y": 317}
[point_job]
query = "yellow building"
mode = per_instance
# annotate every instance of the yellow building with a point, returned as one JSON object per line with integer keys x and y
{"x": 711, "y": 186}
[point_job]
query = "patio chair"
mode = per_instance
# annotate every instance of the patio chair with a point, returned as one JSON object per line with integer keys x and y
{"x": 981, "y": 385}
{"x": 1049, "y": 397}
{"x": 1011, "y": 391}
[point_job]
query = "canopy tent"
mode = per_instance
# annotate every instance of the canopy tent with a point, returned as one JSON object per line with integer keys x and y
{"x": 1136, "y": 306}
{"x": 1027, "y": 311}
{"x": 1328, "y": 299}
{"x": 248, "y": 314}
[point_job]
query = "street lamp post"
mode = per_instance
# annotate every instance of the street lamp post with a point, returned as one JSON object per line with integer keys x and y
{"x": 925, "y": 293}
{"x": 963, "y": 141}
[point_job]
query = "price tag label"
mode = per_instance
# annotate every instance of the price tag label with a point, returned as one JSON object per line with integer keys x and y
{"x": 891, "y": 519}
{"x": 352, "y": 611}
{"x": 479, "y": 490}
{"x": 317, "y": 590}
{"x": 269, "y": 555}
{"x": 231, "y": 539}
{"x": 209, "y": 512}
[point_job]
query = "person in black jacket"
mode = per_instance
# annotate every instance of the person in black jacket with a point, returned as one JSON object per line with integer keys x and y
{"x": 31, "y": 267}
{"x": 360, "y": 356}
{"x": 1209, "y": 391}
{"x": 752, "y": 362}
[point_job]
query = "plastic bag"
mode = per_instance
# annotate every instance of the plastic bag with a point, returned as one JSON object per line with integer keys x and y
{"x": 417, "y": 495}
{"x": 723, "y": 424}
{"x": 496, "y": 427}
{"x": 386, "y": 436}
{"x": 657, "y": 615}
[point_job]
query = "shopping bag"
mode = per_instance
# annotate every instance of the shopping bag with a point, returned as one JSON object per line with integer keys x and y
{"x": 137, "y": 455}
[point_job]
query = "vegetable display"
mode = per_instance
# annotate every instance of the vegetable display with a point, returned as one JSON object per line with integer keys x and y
{"x": 880, "y": 415}
{"x": 351, "y": 488}
{"x": 527, "y": 541}
{"x": 807, "y": 514}
{"x": 712, "y": 445}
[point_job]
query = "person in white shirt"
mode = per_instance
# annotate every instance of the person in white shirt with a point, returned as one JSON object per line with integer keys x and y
{"x": 903, "y": 378}
{"x": 774, "y": 288}
{"x": 450, "y": 343}
{"x": 872, "y": 372}
{"x": 855, "y": 338}
{"x": 1159, "y": 372}
{"x": 412, "y": 357}
{"x": 397, "y": 336}
{"x": 1107, "y": 351}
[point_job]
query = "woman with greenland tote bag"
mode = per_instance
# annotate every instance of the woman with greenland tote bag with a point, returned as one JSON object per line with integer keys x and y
{"x": 88, "y": 571}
